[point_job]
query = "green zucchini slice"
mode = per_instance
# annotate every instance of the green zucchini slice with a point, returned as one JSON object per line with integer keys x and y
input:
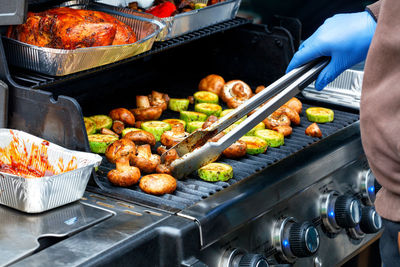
{"x": 157, "y": 128}
{"x": 189, "y": 116}
{"x": 273, "y": 138}
{"x": 259, "y": 126}
{"x": 194, "y": 125}
{"x": 215, "y": 172}
{"x": 178, "y": 104}
{"x": 90, "y": 125}
{"x": 205, "y": 97}
{"x": 255, "y": 145}
{"x": 127, "y": 130}
{"x": 208, "y": 109}
{"x": 99, "y": 142}
{"x": 320, "y": 115}
{"x": 175, "y": 122}
{"x": 102, "y": 121}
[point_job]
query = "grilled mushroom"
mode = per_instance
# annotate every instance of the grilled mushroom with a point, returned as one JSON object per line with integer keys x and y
{"x": 275, "y": 120}
{"x": 236, "y": 150}
{"x": 158, "y": 184}
{"x": 108, "y": 131}
{"x": 283, "y": 129}
{"x": 313, "y": 130}
{"x": 124, "y": 174}
{"x": 118, "y": 126}
{"x": 212, "y": 83}
{"x": 144, "y": 160}
{"x": 120, "y": 148}
{"x": 174, "y": 136}
{"x": 295, "y": 104}
{"x": 235, "y": 92}
{"x": 122, "y": 114}
{"x": 168, "y": 159}
{"x": 140, "y": 137}
{"x": 159, "y": 99}
{"x": 260, "y": 88}
{"x": 144, "y": 111}
{"x": 293, "y": 115}
{"x": 210, "y": 120}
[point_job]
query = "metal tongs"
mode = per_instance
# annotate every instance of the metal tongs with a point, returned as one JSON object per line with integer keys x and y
{"x": 195, "y": 151}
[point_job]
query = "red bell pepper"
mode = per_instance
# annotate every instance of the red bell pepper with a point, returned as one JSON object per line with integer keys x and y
{"x": 162, "y": 10}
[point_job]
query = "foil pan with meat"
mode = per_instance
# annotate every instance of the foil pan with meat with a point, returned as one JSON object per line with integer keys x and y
{"x": 36, "y": 175}
{"x": 76, "y": 37}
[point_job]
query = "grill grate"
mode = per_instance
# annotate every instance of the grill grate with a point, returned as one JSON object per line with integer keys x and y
{"x": 191, "y": 190}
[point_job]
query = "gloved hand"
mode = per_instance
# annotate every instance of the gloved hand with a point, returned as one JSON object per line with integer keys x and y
{"x": 344, "y": 37}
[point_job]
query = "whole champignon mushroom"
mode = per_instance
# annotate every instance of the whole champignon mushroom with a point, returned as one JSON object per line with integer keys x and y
{"x": 144, "y": 160}
{"x": 159, "y": 99}
{"x": 174, "y": 136}
{"x": 120, "y": 148}
{"x": 212, "y": 83}
{"x": 236, "y": 150}
{"x": 140, "y": 137}
{"x": 144, "y": 111}
{"x": 235, "y": 92}
{"x": 158, "y": 184}
{"x": 122, "y": 114}
{"x": 124, "y": 174}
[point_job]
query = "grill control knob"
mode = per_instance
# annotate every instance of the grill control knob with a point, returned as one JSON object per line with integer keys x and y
{"x": 368, "y": 188}
{"x": 294, "y": 239}
{"x": 253, "y": 260}
{"x": 340, "y": 211}
{"x": 370, "y": 222}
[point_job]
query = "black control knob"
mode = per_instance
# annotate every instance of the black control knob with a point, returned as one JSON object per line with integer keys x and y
{"x": 253, "y": 260}
{"x": 370, "y": 222}
{"x": 347, "y": 211}
{"x": 303, "y": 239}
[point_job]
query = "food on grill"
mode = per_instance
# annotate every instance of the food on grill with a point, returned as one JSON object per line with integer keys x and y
{"x": 259, "y": 88}
{"x": 90, "y": 125}
{"x": 159, "y": 99}
{"x": 194, "y": 125}
{"x": 292, "y": 115}
{"x": 225, "y": 111}
{"x": 175, "y": 122}
{"x": 313, "y": 130}
{"x": 140, "y": 137}
{"x": 138, "y": 124}
{"x": 273, "y": 138}
{"x": 178, "y": 104}
{"x": 161, "y": 150}
{"x": 158, "y": 184}
{"x": 283, "y": 129}
{"x": 124, "y": 174}
{"x": 259, "y": 126}
{"x": 236, "y": 150}
{"x": 174, "y": 136}
{"x": 122, "y": 114}
{"x": 295, "y": 104}
{"x": 235, "y": 92}
{"x": 145, "y": 112}
{"x": 120, "y": 148}
{"x": 205, "y": 97}
{"x": 102, "y": 121}
{"x": 321, "y": 115}
{"x": 127, "y": 130}
{"x": 215, "y": 138}
{"x": 214, "y": 172}
{"x": 144, "y": 160}
{"x": 212, "y": 83}
{"x": 163, "y": 10}
{"x": 98, "y": 142}
{"x": 189, "y": 116}
{"x": 118, "y": 126}
{"x": 255, "y": 145}
{"x": 275, "y": 120}
{"x": 208, "y": 109}
{"x": 210, "y": 120}
{"x": 157, "y": 128}
{"x": 191, "y": 99}
{"x": 67, "y": 28}
{"x": 108, "y": 131}
{"x": 170, "y": 156}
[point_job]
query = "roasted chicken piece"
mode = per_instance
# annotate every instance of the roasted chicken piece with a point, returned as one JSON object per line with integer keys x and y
{"x": 67, "y": 28}
{"x": 313, "y": 130}
{"x": 144, "y": 160}
{"x": 124, "y": 174}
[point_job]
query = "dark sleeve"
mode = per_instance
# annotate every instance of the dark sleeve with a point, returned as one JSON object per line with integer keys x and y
{"x": 373, "y": 9}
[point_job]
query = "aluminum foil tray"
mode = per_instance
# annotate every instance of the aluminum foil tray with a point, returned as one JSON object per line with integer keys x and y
{"x": 59, "y": 62}
{"x": 35, "y": 195}
{"x": 193, "y": 20}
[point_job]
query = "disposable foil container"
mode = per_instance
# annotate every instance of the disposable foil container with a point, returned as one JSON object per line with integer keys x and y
{"x": 59, "y": 62}
{"x": 191, "y": 21}
{"x": 35, "y": 195}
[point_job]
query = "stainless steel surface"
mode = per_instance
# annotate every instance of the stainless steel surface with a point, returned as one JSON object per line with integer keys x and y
{"x": 192, "y": 157}
{"x": 13, "y": 12}
{"x": 59, "y": 62}
{"x": 97, "y": 237}
{"x": 327, "y": 210}
{"x": 279, "y": 233}
{"x": 259, "y": 235}
{"x": 241, "y": 201}
{"x": 34, "y": 195}
{"x": 3, "y": 104}
{"x": 367, "y": 187}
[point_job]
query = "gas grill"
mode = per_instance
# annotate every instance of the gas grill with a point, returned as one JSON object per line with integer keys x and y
{"x": 282, "y": 207}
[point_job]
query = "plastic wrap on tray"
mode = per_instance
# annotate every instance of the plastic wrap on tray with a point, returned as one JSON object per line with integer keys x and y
{"x": 38, "y": 194}
{"x": 59, "y": 62}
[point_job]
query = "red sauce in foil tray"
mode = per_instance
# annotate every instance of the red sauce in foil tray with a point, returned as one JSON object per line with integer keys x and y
{"x": 31, "y": 162}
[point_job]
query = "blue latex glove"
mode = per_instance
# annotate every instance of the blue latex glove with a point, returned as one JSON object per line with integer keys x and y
{"x": 344, "y": 37}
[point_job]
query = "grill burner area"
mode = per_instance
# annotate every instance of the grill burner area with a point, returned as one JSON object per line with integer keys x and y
{"x": 192, "y": 189}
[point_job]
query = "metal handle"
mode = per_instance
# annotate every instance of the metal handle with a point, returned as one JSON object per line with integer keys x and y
{"x": 3, "y": 104}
